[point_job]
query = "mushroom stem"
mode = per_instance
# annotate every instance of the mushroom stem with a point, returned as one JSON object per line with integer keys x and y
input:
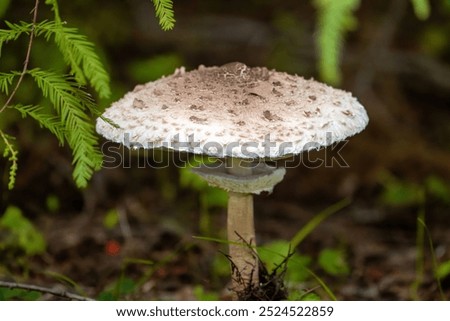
{"x": 241, "y": 231}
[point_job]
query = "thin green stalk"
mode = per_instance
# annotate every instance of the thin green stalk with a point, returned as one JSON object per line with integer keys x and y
{"x": 316, "y": 220}
{"x": 420, "y": 248}
{"x": 323, "y": 285}
{"x": 433, "y": 257}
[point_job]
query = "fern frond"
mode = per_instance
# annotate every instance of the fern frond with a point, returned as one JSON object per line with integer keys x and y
{"x": 6, "y": 80}
{"x": 165, "y": 13}
{"x": 44, "y": 118}
{"x": 421, "y": 8}
{"x": 70, "y": 103}
{"x": 80, "y": 55}
{"x": 11, "y": 154}
{"x": 335, "y": 18}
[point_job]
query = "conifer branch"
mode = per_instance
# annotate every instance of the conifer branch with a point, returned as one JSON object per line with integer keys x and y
{"x": 6, "y": 80}
{"x": 334, "y": 20}
{"x": 45, "y": 119}
{"x": 27, "y": 57}
{"x": 165, "y": 14}
{"x": 71, "y": 103}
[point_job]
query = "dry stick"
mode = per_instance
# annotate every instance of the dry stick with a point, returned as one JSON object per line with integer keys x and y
{"x": 27, "y": 57}
{"x": 30, "y": 287}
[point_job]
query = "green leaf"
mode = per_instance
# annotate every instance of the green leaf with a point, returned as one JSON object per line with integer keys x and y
{"x": 53, "y": 203}
{"x": 165, "y": 14}
{"x": 303, "y": 296}
{"x": 438, "y": 188}
{"x": 22, "y": 231}
{"x": 18, "y": 294}
{"x": 124, "y": 286}
{"x": 335, "y": 18}
{"x": 443, "y": 270}
{"x": 274, "y": 253}
{"x": 421, "y": 9}
{"x": 111, "y": 219}
{"x": 399, "y": 193}
{"x": 202, "y": 295}
{"x": 333, "y": 262}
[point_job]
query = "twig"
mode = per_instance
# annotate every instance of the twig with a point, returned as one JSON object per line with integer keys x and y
{"x": 30, "y": 287}
{"x": 27, "y": 57}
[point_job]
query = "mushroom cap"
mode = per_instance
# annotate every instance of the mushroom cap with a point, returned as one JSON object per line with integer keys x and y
{"x": 233, "y": 111}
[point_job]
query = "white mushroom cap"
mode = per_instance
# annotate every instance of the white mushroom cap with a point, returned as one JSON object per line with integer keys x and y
{"x": 234, "y": 111}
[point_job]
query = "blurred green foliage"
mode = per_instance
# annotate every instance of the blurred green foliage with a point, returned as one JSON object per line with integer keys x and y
{"x": 21, "y": 233}
{"x": 443, "y": 270}
{"x": 4, "y": 4}
{"x": 118, "y": 290}
{"x": 397, "y": 192}
{"x": 53, "y": 204}
{"x": 276, "y": 252}
{"x": 335, "y": 18}
{"x": 421, "y": 8}
{"x": 333, "y": 261}
{"x": 18, "y": 294}
{"x": 209, "y": 197}
{"x": 202, "y": 295}
{"x": 153, "y": 68}
{"x": 111, "y": 219}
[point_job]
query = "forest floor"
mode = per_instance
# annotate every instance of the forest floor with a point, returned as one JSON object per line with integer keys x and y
{"x": 152, "y": 253}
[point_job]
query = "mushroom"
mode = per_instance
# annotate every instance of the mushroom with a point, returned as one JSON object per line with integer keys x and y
{"x": 243, "y": 116}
